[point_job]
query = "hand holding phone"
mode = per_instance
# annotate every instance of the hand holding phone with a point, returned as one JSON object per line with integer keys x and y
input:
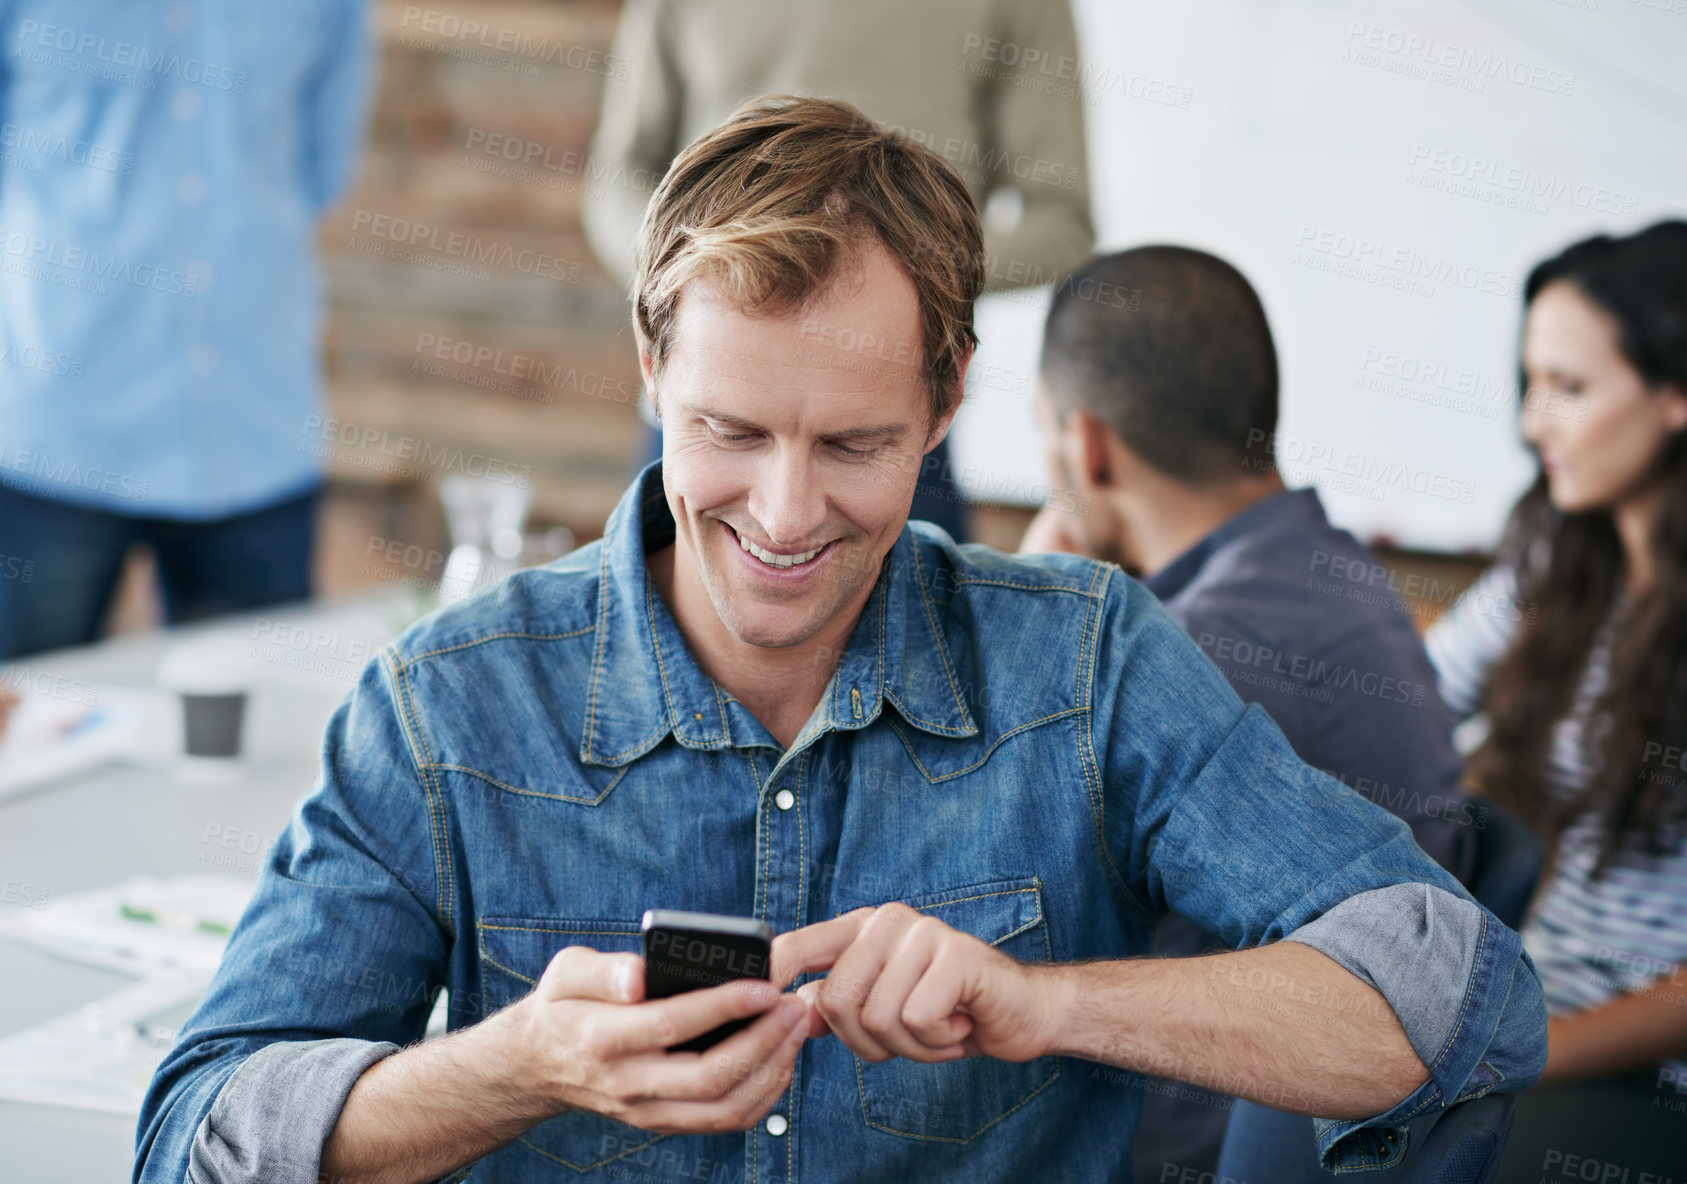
{"x": 589, "y": 1038}
{"x": 685, "y": 951}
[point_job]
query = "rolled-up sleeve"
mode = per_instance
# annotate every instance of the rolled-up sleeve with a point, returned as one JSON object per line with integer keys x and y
{"x": 1216, "y": 818}
{"x": 1478, "y": 1029}
{"x": 335, "y": 964}
{"x": 296, "y": 1087}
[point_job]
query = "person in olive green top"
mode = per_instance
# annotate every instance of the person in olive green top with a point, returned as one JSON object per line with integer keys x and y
{"x": 996, "y": 87}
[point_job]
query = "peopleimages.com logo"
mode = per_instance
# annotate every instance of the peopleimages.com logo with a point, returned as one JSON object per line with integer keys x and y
{"x": 112, "y": 55}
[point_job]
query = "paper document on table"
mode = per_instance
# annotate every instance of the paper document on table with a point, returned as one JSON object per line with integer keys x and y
{"x": 49, "y": 740}
{"x": 142, "y": 926}
{"x": 102, "y": 1056}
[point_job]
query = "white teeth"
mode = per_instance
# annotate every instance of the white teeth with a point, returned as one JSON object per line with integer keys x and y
{"x": 772, "y": 560}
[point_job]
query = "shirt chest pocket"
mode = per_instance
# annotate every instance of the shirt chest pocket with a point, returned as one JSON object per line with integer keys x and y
{"x": 514, "y": 952}
{"x": 959, "y": 1100}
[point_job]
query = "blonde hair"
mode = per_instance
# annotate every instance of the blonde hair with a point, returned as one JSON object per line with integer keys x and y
{"x": 772, "y": 202}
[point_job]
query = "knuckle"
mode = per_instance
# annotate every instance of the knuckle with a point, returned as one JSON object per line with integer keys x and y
{"x": 920, "y": 1019}
{"x": 664, "y": 1031}
{"x": 877, "y": 1017}
{"x": 573, "y": 957}
{"x": 619, "y": 1086}
{"x": 703, "y": 1089}
{"x": 894, "y": 913}
{"x": 566, "y": 968}
{"x": 927, "y": 924}
{"x": 594, "y": 1047}
{"x": 834, "y": 1002}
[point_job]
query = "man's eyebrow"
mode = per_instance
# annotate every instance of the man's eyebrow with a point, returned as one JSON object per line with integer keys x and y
{"x": 722, "y": 417}
{"x": 878, "y": 432}
{"x": 874, "y": 432}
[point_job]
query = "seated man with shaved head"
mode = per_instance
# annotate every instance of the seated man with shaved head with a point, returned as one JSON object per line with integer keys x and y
{"x": 1159, "y": 417}
{"x": 962, "y": 786}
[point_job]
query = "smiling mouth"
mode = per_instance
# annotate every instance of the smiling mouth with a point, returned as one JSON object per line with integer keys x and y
{"x": 773, "y": 559}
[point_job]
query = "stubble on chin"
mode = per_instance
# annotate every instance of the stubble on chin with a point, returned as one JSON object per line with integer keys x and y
{"x": 745, "y": 617}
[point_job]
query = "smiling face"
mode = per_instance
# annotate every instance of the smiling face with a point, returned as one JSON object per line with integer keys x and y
{"x": 1598, "y": 426}
{"x": 790, "y": 449}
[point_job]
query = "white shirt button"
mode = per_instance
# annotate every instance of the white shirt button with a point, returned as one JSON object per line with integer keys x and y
{"x": 776, "y": 1125}
{"x": 784, "y": 799}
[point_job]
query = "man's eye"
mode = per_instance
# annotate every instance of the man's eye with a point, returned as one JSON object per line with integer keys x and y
{"x": 848, "y": 451}
{"x": 727, "y": 437}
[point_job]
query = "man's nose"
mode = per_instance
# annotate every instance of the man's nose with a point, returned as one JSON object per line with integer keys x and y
{"x": 788, "y": 500}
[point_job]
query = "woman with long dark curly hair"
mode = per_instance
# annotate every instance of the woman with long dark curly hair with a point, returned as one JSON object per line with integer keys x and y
{"x": 1573, "y": 646}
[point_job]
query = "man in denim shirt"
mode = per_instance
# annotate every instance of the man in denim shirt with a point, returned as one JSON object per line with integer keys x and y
{"x": 963, "y": 786}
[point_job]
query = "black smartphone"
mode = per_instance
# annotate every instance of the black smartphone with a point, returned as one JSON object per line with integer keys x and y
{"x": 687, "y": 951}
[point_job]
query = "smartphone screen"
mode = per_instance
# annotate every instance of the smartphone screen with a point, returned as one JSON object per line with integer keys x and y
{"x": 686, "y": 951}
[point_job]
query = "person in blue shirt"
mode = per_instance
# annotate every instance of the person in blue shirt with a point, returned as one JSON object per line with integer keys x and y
{"x": 1157, "y": 417}
{"x": 962, "y": 786}
{"x": 162, "y": 170}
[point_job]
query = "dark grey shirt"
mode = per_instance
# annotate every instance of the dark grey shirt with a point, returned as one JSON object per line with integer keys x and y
{"x": 1304, "y": 621}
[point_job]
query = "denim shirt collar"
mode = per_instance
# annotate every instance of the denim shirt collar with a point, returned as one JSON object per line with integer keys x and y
{"x": 645, "y": 684}
{"x": 1280, "y": 509}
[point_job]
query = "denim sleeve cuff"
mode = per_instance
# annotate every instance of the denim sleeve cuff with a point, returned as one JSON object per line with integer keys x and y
{"x": 1452, "y": 973}
{"x": 273, "y": 1115}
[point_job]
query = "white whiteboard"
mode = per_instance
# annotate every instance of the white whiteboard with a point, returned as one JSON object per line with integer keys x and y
{"x": 1385, "y": 175}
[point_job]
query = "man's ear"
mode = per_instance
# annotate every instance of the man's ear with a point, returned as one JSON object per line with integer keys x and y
{"x": 647, "y": 368}
{"x": 940, "y": 429}
{"x": 1093, "y": 442}
{"x": 961, "y": 372}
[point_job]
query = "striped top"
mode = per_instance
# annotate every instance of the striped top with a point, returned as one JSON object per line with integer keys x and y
{"x": 1591, "y": 940}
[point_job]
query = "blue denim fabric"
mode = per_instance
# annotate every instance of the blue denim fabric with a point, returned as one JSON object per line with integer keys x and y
{"x": 1026, "y": 748}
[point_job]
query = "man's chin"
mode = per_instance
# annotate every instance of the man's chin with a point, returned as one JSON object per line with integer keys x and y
{"x": 768, "y": 629}
{"x": 773, "y": 617}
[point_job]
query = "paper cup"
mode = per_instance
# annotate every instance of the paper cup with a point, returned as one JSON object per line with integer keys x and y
{"x": 212, "y": 677}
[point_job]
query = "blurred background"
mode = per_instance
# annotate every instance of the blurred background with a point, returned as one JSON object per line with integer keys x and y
{"x": 1384, "y": 176}
{"x": 176, "y": 177}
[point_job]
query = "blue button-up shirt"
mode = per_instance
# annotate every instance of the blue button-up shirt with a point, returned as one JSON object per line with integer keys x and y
{"x": 1027, "y": 748}
{"x": 162, "y": 167}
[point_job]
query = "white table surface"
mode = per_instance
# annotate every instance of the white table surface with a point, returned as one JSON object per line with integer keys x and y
{"x": 126, "y": 820}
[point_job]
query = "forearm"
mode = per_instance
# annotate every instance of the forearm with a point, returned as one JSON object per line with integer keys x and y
{"x": 1632, "y": 1031}
{"x": 425, "y": 1111}
{"x": 1282, "y": 1025}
